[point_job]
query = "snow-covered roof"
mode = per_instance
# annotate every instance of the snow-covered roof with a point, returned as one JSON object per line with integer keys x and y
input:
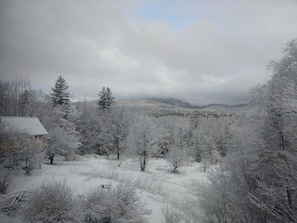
{"x": 29, "y": 125}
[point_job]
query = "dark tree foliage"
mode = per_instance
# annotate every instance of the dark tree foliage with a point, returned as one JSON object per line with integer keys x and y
{"x": 60, "y": 95}
{"x": 105, "y": 98}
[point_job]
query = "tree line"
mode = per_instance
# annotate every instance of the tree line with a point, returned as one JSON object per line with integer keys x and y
{"x": 110, "y": 129}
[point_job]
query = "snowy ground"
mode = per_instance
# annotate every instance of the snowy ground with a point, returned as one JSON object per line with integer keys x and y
{"x": 164, "y": 192}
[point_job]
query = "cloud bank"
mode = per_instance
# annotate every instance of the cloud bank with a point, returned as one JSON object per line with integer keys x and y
{"x": 199, "y": 51}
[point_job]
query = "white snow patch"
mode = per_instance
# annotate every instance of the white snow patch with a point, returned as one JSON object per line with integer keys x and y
{"x": 158, "y": 186}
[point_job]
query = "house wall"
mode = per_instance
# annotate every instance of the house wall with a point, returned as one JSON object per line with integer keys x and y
{"x": 40, "y": 139}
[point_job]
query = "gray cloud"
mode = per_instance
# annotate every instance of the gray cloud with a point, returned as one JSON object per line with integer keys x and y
{"x": 198, "y": 51}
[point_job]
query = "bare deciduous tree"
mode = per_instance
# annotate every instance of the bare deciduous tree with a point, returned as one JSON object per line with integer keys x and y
{"x": 143, "y": 139}
{"x": 176, "y": 157}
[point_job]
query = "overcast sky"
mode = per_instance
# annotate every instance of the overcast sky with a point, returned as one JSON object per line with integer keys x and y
{"x": 200, "y": 51}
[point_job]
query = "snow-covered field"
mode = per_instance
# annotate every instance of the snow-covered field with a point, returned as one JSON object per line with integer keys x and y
{"x": 165, "y": 193}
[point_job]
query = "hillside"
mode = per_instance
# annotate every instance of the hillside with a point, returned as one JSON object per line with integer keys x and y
{"x": 223, "y": 107}
{"x": 174, "y": 106}
{"x": 143, "y": 102}
{"x": 173, "y": 103}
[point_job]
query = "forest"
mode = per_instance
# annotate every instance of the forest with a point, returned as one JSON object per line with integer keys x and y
{"x": 250, "y": 157}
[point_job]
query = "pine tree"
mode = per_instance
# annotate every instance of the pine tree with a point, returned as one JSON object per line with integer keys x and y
{"x": 105, "y": 98}
{"x": 102, "y": 98}
{"x": 109, "y": 97}
{"x": 60, "y": 95}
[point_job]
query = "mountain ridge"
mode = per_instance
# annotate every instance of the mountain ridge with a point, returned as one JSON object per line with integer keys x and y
{"x": 183, "y": 104}
{"x": 170, "y": 103}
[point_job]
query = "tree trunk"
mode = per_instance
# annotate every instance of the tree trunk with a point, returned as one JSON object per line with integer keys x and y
{"x": 174, "y": 170}
{"x": 118, "y": 149}
{"x": 51, "y": 158}
{"x": 143, "y": 164}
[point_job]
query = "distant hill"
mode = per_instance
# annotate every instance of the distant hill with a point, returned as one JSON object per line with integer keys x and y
{"x": 224, "y": 107}
{"x": 143, "y": 102}
{"x": 174, "y": 102}
{"x": 211, "y": 107}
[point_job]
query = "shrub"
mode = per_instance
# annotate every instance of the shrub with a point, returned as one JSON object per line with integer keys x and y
{"x": 52, "y": 202}
{"x": 170, "y": 214}
{"x": 119, "y": 205}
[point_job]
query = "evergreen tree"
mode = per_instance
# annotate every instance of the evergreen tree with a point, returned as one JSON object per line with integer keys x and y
{"x": 110, "y": 98}
{"x": 105, "y": 98}
{"x": 60, "y": 95}
{"x": 102, "y": 98}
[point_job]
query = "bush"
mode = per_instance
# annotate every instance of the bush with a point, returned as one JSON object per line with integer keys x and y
{"x": 52, "y": 202}
{"x": 170, "y": 214}
{"x": 114, "y": 205}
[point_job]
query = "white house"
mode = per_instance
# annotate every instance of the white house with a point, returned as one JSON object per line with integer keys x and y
{"x": 29, "y": 125}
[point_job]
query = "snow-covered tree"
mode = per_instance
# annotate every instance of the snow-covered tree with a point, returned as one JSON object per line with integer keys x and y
{"x": 90, "y": 126}
{"x": 176, "y": 157}
{"x": 60, "y": 95}
{"x": 210, "y": 139}
{"x": 173, "y": 132}
{"x": 39, "y": 104}
{"x": 277, "y": 153}
{"x": 181, "y": 134}
{"x": 196, "y": 145}
{"x": 24, "y": 101}
{"x": 14, "y": 97}
{"x": 65, "y": 140}
{"x": 240, "y": 165}
{"x": 166, "y": 127}
{"x": 223, "y": 136}
{"x": 215, "y": 201}
{"x": 143, "y": 139}
{"x": 208, "y": 144}
{"x": 260, "y": 167}
{"x": 225, "y": 196}
{"x": 19, "y": 150}
{"x": 106, "y": 99}
{"x": 115, "y": 127}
